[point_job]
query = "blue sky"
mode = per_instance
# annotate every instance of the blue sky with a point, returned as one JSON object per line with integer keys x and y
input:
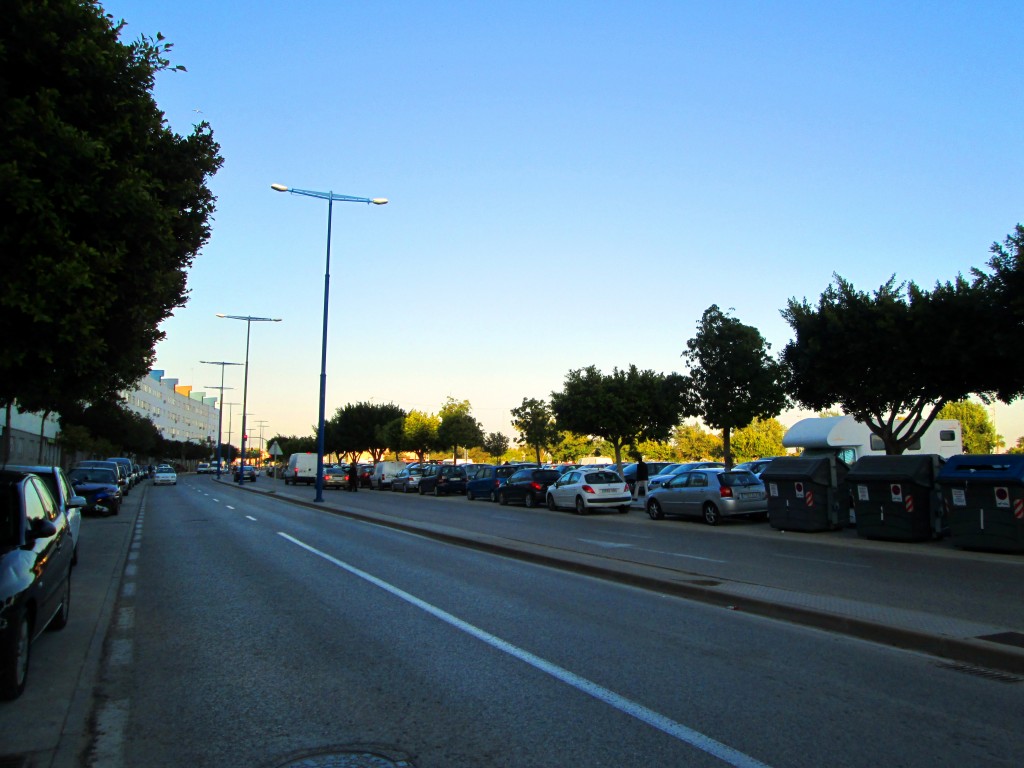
{"x": 570, "y": 183}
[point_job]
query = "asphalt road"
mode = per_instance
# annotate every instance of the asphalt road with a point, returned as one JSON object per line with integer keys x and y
{"x": 251, "y": 631}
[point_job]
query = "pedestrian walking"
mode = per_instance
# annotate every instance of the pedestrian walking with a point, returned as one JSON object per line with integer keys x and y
{"x": 640, "y": 488}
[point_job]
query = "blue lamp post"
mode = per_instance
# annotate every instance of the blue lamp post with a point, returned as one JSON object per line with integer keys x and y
{"x": 330, "y": 197}
{"x": 249, "y": 320}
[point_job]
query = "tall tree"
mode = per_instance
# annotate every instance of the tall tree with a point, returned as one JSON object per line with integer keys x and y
{"x": 535, "y": 424}
{"x": 419, "y": 433}
{"x": 105, "y": 206}
{"x": 623, "y": 407}
{"x": 570, "y": 447}
{"x": 894, "y": 357}
{"x": 357, "y": 427}
{"x": 760, "y": 438}
{"x": 732, "y": 379}
{"x": 496, "y": 444}
{"x": 976, "y": 428}
{"x": 694, "y": 443}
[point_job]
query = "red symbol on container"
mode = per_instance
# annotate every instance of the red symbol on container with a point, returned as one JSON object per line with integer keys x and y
{"x": 909, "y": 503}
{"x": 1018, "y": 508}
{"x": 809, "y": 498}
{"x": 1002, "y": 497}
{"x": 799, "y": 488}
{"x": 897, "y": 491}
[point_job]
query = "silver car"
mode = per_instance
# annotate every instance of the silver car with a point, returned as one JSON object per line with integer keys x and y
{"x": 711, "y": 494}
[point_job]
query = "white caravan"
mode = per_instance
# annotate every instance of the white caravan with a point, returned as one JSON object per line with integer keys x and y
{"x": 848, "y": 439}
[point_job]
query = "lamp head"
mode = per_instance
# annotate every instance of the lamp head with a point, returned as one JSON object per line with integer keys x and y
{"x": 379, "y": 201}
{"x": 279, "y": 187}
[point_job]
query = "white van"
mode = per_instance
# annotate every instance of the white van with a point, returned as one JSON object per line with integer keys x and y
{"x": 301, "y": 469}
{"x": 384, "y": 472}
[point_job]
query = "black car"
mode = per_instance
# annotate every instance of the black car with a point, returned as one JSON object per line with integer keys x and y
{"x": 35, "y": 573}
{"x": 248, "y": 472}
{"x": 122, "y": 476}
{"x": 529, "y": 486}
{"x": 487, "y": 480}
{"x": 444, "y": 480}
{"x": 99, "y": 488}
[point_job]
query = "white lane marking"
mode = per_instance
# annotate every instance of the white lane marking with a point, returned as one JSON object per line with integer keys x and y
{"x": 216, "y": 499}
{"x": 229, "y": 506}
{"x": 250, "y": 517}
{"x": 654, "y": 719}
{"x": 688, "y": 557}
{"x": 606, "y": 544}
{"x": 828, "y": 562}
{"x": 111, "y": 725}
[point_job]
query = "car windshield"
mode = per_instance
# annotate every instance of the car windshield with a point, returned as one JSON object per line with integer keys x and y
{"x": 598, "y": 478}
{"x": 739, "y": 477}
{"x": 505, "y": 471}
{"x": 546, "y": 475}
{"x": 92, "y": 475}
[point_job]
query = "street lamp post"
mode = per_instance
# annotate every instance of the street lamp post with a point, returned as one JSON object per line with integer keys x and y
{"x": 220, "y": 411}
{"x": 231, "y": 411}
{"x": 330, "y": 197}
{"x": 249, "y": 320}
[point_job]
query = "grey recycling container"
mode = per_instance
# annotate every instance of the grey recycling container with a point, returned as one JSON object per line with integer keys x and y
{"x": 895, "y": 497}
{"x": 806, "y": 493}
{"x": 983, "y": 496}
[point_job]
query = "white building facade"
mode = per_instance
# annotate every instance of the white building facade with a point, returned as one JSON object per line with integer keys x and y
{"x": 178, "y": 412}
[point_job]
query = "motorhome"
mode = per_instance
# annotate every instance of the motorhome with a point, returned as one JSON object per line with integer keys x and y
{"x": 848, "y": 439}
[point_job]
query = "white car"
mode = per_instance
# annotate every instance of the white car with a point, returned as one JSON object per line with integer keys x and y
{"x": 165, "y": 475}
{"x": 585, "y": 489}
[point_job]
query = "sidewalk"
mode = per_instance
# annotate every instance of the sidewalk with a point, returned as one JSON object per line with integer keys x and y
{"x": 965, "y": 642}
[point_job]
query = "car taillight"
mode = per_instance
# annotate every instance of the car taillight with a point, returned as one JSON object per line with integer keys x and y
{"x": 588, "y": 489}
{"x": 497, "y": 483}
{"x": 725, "y": 491}
{"x": 535, "y": 485}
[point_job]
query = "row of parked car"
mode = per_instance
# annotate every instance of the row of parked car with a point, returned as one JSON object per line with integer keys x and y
{"x": 41, "y": 511}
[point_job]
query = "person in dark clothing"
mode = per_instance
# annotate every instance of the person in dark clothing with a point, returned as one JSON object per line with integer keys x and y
{"x": 353, "y": 477}
{"x": 641, "y": 479}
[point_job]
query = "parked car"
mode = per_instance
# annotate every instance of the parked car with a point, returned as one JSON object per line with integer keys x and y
{"x": 488, "y": 480}
{"x": 122, "y": 474}
{"x": 128, "y": 472}
{"x": 408, "y": 479}
{"x": 757, "y": 466}
{"x": 248, "y": 473}
{"x": 68, "y": 500}
{"x": 203, "y": 468}
{"x": 654, "y": 468}
{"x": 529, "y": 486}
{"x": 384, "y": 472}
{"x": 674, "y": 469}
{"x": 448, "y": 478}
{"x": 165, "y": 475}
{"x": 35, "y": 573}
{"x": 586, "y": 489}
{"x": 98, "y": 487}
{"x": 711, "y": 494}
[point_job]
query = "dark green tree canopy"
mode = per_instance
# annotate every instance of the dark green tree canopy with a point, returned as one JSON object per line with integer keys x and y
{"x": 623, "y": 407}
{"x": 536, "y": 425}
{"x": 458, "y": 427}
{"x": 733, "y": 380}
{"x": 496, "y": 444}
{"x": 105, "y": 206}
{"x": 359, "y": 427}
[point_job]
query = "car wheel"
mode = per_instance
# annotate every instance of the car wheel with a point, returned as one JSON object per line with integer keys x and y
{"x": 15, "y": 652}
{"x": 623, "y": 509}
{"x": 494, "y": 497}
{"x": 470, "y": 496}
{"x": 711, "y": 516}
{"x": 529, "y": 501}
{"x": 421, "y": 490}
{"x": 60, "y": 621}
{"x": 502, "y": 499}
{"x": 551, "y": 503}
{"x": 581, "y": 506}
{"x": 654, "y": 510}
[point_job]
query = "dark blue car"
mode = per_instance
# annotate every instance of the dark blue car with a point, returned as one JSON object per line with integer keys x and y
{"x": 98, "y": 487}
{"x": 488, "y": 480}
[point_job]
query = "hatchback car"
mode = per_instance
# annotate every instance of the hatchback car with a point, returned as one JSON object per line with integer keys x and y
{"x": 122, "y": 474}
{"x": 409, "y": 478}
{"x": 248, "y": 473}
{"x": 447, "y": 479}
{"x": 674, "y": 469}
{"x": 488, "y": 480}
{"x": 586, "y": 489}
{"x": 69, "y": 501}
{"x": 165, "y": 475}
{"x": 529, "y": 486}
{"x": 711, "y": 494}
{"x": 98, "y": 487}
{"x": 35, "y": 573}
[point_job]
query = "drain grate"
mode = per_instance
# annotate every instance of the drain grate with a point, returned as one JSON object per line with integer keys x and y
{"x": 988, "y": 674}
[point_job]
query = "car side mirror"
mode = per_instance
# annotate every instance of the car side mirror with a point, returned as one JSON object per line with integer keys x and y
{"x": 76, "y": 501}
{"x": 41, "y": 529}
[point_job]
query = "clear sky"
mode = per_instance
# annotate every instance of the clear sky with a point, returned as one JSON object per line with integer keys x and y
{"x": 571, "y": 183}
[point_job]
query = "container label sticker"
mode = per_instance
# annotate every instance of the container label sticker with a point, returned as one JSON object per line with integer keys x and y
{"x": 1002, "y": 497}
{"x": 773, "y": 490}
{"x": 862, "y": 493}
{"x": 959, "y": 497}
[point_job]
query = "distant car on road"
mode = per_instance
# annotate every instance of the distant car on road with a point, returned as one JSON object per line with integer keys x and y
{"x": 446, "y": 480}
{"x": 99, "y": 488}
{"x": 487, "y": 481}
{"x": 248, "y": 473}
{"x": 408, "y": 479}
{"x": 165, "y": 475}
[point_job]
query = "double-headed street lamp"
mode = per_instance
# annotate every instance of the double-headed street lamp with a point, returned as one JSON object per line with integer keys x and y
{"x": 249, "y": 320}
{"x": 220, "y": 410}
{"x": 330, "y": 197}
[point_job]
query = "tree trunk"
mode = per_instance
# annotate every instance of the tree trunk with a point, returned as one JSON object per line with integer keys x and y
{"x": 726, "y": 447}
{"x": 42, "y": 436}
